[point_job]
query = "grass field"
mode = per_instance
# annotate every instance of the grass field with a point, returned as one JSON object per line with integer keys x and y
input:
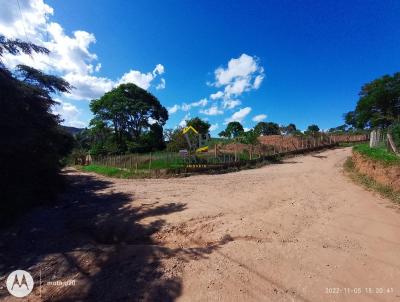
{"x": 378, "y": 154}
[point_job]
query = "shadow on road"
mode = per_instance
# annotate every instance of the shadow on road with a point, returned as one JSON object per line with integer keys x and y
{"x": 95, "y": 236}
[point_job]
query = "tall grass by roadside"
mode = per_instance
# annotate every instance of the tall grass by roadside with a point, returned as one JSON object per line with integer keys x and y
{"x": 378, "y": 154}
{"x": 369, "y": 183}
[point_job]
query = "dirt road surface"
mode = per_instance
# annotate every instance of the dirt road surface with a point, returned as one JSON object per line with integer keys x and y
{"x": 296, "y": 231}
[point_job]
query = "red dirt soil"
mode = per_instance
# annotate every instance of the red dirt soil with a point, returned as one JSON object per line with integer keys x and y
{"x": 386, "y": 175}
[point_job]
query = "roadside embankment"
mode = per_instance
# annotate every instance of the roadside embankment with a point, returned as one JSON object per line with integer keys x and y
{"x": 381, "y": 167}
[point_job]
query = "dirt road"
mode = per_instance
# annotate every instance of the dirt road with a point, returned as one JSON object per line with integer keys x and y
{"x": 297, "y": 231}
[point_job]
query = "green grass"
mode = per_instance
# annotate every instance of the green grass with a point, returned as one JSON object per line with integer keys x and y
{"x": 369, "y": 183}
{"x": 350, "y": 144}
{"x": 161, "y": 164}
{"x": 378, "y": 154}
{"x": 108, "y": 171}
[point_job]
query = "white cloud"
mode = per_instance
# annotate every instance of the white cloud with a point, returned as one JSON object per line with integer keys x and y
{"x": 136, "y": 77}
{"x": 35, "y": 15}
{"x": 217, "y": 95}
{"x": 69, "y": 113}
{"x": 173, "y": 109}
{"x": 182, "y": 123}
{"x": 188, "y": 107}
{"x": 70, "y": 55}
{"x": 242, "y": 74}
{"x": 257, "y": 81}
{"x": 259, "y": 118}
{"x": 159, "y": 69}
{"x": 161, "y": 85}
{"x": 242, "y": 67}
{"x": 214, "y": 127}
{"x": 230, "y": 104}
{"x": 87, "y": 87}
{"x": 238, "y": 116}
{"x": 213, "y": 110}
{"x": 202, "y": 103}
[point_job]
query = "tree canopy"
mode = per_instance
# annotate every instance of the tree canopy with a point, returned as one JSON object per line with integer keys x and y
{"x": 200, "y": 125}
{"x": 232, "y": 130}
{"x": 132, "y": 115}
{"x": 267, "y": 128}
{"x": 378, "y": 105}
{"x": 312, "y": 129}
{"x": 249, "y": 137}
{"x": 290, "y": 129}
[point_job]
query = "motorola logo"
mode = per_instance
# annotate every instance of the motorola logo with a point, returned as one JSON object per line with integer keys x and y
{"x": 19, "y": 283}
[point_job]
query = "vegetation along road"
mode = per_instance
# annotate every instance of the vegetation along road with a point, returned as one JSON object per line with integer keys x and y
{"x": 296, "y": 231}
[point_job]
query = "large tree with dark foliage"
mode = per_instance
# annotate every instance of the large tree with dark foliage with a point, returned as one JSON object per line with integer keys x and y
{"x": 133, "y": 117}
{"x": 312, "y": 130}
{"x": 267, "y": 128}
{"x": 200, "y": 125}
{"x": 33, "y": 143}
{"x": 232, "y": 130}
{"x": 379, "y": 104}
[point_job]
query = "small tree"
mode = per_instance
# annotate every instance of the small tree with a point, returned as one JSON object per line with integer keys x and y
{"x": 250, "y": 138}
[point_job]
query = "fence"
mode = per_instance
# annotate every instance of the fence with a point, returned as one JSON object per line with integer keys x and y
{"x": 221, "y": 157}
{"x": 383, "y": 139}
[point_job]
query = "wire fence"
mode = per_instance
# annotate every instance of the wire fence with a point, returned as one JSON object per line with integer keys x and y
{"x": 221, "y": 156}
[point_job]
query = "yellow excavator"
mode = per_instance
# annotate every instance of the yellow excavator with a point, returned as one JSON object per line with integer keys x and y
{"x": 197, "y": 142}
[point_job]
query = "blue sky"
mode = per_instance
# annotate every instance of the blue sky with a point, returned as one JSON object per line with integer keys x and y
{"x": 312, "y": 56}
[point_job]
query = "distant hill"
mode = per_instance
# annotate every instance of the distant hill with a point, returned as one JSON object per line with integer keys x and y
{"x": 72, "y": 130}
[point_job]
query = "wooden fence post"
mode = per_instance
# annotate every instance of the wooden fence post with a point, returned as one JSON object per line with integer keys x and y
{"x": 150, "y": 162}
{"x": 235, "y": 152}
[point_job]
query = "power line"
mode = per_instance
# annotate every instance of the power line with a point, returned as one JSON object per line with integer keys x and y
{"x": 22, "y": 19}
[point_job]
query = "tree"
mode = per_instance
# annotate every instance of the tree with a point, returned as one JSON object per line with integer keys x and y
{"x": 233, "y": 130}
{"x": 249, "y": 137}
{"x": 130, "y": 112}
{"x": 312, "y": 129}
{"x": 175, "y": 140}
{"x": 223, "y": 134}
{"x": 33, "y": 143}
{"x": 290, "y": 129}
{"x": 267, "y": 128}
{"x": 200, "y": 125}
{"x": 379, "y": 104}
{"x": 341, "y": 128}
